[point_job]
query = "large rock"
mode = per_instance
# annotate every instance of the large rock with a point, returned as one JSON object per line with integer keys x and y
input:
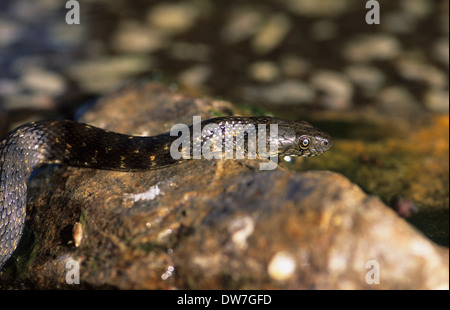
{"x": 212, "y": 224}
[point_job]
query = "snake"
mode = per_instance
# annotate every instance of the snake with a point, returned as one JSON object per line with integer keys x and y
{"x": 72, "y": 143}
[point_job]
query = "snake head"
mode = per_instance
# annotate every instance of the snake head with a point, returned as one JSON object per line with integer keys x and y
{"x": 312, "y": 145}
{"x": 302, "y": 139}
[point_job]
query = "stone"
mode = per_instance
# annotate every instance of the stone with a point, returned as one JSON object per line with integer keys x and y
{"x": 285, "y": 92}
{"x": 264, "y": 71}
{"x": 242, "y": 23}
{"x": 42, "y": 81}
{"x": 103, "y": 74}
{"x": 336, "y": 88}
{"x": 271, "y": 34}
{"x": 173, "y": 18}
{"x": 365, "y": 48}
{"x": 133, "y": 37}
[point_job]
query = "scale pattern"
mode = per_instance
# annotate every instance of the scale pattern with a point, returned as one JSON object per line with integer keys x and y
{"x": 76, "y": 144}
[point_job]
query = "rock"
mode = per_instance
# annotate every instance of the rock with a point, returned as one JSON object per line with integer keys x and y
{"x": 173, "y": 18}
{"x": 441, "y": 51}
{"x": 11, "y": 32}
{"x": 369, "y": 78}
{"x": 285, "y": 92}
{"x": 415, "y": 69}
{"x": 373, "y": 47}
{"x": 212, "y": 224}
{"x": 336, "y": 88}
{"x": 323, "y": 30}
{"x": 264, "y": 71}
{"x": 437, "y": 101}
{"x": 293, "y": 66}
{"x": 195, "y": 77}
{"x": 317, "y": 8}
{"x": 397, "y": 100}
{"x": 102, "y": 74}
{"x": 271, "y": 34}
{"x": 242, "y": 24}
{"x": 133, "y": 37}
{"x": 40, "y": 81}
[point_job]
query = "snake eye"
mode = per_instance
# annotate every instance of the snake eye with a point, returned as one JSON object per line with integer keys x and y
{"x": 304, "y": 143}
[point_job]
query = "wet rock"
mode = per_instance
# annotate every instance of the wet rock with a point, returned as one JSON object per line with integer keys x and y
{"x": 213, "y": 224}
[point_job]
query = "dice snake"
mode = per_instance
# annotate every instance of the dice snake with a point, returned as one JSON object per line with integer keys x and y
{"x": 76, "y": 144}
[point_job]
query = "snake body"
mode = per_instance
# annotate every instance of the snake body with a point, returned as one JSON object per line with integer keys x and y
{"x": 76, "y": 144}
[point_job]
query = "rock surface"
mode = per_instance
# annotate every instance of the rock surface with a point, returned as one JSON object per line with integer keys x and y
{"x": 211, "y": 224}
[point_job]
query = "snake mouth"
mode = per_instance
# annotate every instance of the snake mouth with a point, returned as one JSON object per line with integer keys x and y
{"x": 321, "y": 145}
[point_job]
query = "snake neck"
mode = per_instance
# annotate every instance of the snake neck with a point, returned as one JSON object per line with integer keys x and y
{"x": 18, "y": 158}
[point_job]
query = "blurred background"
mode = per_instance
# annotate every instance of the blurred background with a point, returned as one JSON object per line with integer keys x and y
{"x": 381, "y": 91}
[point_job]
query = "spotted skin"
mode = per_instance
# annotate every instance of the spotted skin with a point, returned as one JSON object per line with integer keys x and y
{"x": 66, "y": 142}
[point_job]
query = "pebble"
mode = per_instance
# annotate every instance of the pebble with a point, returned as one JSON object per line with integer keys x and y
{"x": 10, "y": 32}
{"x": 77, "y": 234}
{"x": 441, "y": 51}
{"x": 397, "y": 100}
{"x": 39, "y": 102}
{"x": 369, "y": 78}
{"x": 241, "y": 24}
{"x": 403, "y": 206}
{"x": 101, "y": 75}
{"x": 282, "y": 266}
{"x": 372, "y": 47}
{"x": 336, "y": 87}
{"x": 415, "y": 69}
{"x": 323, "y": 30}
{"x": 317, "y": 8}
{"x": 285, "y": 92}
{"x": 271, "y": 34}
{"x": 417, "y": 8}
{"x": 398, "y": 22}
{"x": 134, "y": 37}
{"x": 293, "y": 66}
{"x": 42, "y": 81}
{"x": 173, "y": 18}
{"x": 195, "y": 76}
{"x": 190, "y": 51}
{"x": 241, "y": 229}
{"x": 264, "y": 71}
{"x": 437, "y": 100}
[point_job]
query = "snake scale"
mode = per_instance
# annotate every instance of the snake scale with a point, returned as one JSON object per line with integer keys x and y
{"x": 76, "y": 144}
